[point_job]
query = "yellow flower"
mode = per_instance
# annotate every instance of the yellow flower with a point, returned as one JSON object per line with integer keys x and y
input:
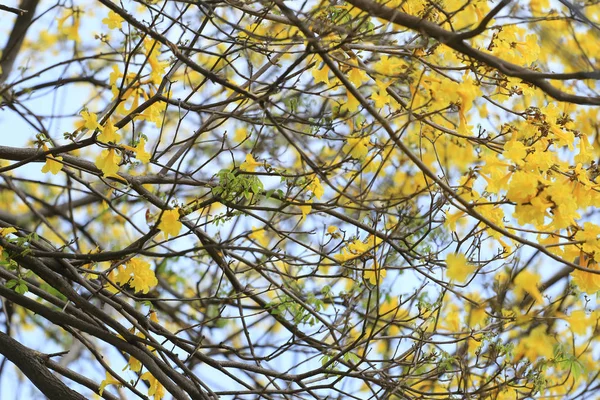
{"x": 113, "y": 279}
{"x": 579, "y": 322}
{"x": 113, "y": 21}
{"x": 357, "y": 248}
{"x": 137, "y": 273}
{"x": 143, "y": 277}
{"x": 133, "y": 364}
{"x": 108, "y": 162}
{"x": 452, "y": 219}
{"x": 141, "y": 153}
{"x": 7, "y": 231}
{"x": 515, "y": 151}
{"x": 357, "y": 76}
{"x": 240, "y": 135}
{"x": 381, "y": 98}
{"x": 375, "y": 275}
{"x": 537, "y": 344}
{"x": 321, "y": 75}
{"x": 586, "y": 281}
{"x": 169, "y": 223}
{"x": 458, "y": 267}
{"x": 259, "y": 235}
{"x": 90, "y": 120}
{"x": 352, "y": 102}
{"x": 528, "y": 282}
{"x": 389, "y": 66}
{"x": 589, "y": 236}
{"x": 305, "y": 209}
{"x": 70, "y": 32}
{"x": 250, "y": 164}
{"x": 316, "y": 188}
{"x": 52, "y": 164}
{"x": 344, "y": 256}
{"x": 109, "y": 133}
{"x": 108, "y": 381}
{"x": 156, "y": 389}
{"x": 121, "y": 275}
{"x": 153, "y": 316}
{"x": 357, "y": 147}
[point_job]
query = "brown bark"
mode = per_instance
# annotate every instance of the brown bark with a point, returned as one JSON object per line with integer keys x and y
{"x": 16, "y": 38}
{"x": 32, "y": 365}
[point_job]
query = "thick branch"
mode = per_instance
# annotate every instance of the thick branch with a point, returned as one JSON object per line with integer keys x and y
{"x": 16, "y": 38}
{"x": 31, "y": 364}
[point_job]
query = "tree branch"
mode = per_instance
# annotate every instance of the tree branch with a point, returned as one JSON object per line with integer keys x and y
{"x": 13, "y": 10}
{"x": 16, "y": 38}
{"x": 31, "y": 364}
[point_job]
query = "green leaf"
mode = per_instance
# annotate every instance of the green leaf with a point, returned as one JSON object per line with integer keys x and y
{"x": 577, "y": 369}
{"x": 11, "y": 283}
{"x": 21, "y": 288}
{"x": 353, "y": 357}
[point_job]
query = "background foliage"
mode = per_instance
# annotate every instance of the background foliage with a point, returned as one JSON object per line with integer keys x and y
{"x": 282, "y": 199}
